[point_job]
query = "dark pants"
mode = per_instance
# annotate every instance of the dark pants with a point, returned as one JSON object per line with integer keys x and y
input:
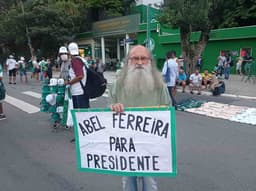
{"x": 12, "y": 72}
{"x": 171, "y": 90}
{"x": 227, "y": 72}
{"x": 80, "y": 101}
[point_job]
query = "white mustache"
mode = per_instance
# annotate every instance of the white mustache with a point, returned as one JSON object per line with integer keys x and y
{"x": 137, "y": 66}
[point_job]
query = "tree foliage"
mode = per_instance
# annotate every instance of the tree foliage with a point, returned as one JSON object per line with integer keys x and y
{"x": 239, "y": 13}
{"x": 202, "y": 16}
{"x": 48, "y": 24}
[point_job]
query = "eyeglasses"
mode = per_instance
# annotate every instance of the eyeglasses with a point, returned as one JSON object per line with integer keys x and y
{"x": 137, "y": 59}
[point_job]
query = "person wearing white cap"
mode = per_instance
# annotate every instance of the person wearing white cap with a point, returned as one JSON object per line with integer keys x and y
{"x": 22, "y": 66}
{"x": 65, "y": 62}
{"x": 11, "y": 66}
{"x": 77, "y": 74}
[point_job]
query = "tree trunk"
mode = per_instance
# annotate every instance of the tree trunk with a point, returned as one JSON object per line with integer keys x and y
{"x": 191, "y": 51}
{"x": 31, "y": 49}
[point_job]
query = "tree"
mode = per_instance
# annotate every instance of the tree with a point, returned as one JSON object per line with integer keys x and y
{"x": 47, "y": 24}
{"x": 240, "y": 13}
{"x": 201, "y": 16}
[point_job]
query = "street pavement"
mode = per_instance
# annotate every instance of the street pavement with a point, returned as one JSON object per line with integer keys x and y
{"x": 212, "y": 154}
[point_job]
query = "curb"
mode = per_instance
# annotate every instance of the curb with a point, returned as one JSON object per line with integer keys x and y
{"x": 225, "y": 95}
{"x": 111, "y": 79}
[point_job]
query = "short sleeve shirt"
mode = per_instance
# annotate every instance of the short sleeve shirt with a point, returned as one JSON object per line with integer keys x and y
{"x": 182, "y": 77}
{"x": 195, "y": 79}
{"x": 77, "y": 69}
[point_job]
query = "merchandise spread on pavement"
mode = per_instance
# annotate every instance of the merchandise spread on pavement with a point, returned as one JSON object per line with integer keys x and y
{"x": 225, "y": 111}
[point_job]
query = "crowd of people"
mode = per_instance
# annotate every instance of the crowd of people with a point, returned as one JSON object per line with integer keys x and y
{"x": 138, "y": 84}
{"x": 175, "y": 75}
{"x": 39, "y": 69}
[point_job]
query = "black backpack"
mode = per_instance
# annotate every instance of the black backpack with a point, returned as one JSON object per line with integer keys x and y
{"x": 220, "y": 89}
{"x": 96, "y": 84}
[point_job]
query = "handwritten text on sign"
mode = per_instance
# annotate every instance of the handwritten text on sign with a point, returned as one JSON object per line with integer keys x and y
{"x": 130, "y": 142}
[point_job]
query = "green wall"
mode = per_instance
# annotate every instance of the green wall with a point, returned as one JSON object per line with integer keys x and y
{"x": 213, "y": 49}
{"x": 232, "y": 39}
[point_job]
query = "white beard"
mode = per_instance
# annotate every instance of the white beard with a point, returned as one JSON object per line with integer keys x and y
{"x": 139, "y": 80}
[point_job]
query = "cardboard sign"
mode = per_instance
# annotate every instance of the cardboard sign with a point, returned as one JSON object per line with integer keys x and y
{"x": 137, "y": 142}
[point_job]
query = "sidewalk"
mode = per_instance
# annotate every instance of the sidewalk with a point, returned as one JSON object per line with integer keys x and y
{"x": 235, "y": 86}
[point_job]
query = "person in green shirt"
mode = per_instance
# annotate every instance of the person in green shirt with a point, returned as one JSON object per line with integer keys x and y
{"x": 2, "y": 92}
{"x": 23, "y": 68}
{"x": 43, "y": 68}
{"x": 139, "y": 84}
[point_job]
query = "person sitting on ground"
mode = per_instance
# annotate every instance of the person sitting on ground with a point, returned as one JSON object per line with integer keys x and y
{"x": 195, "y": 82}
{"x": 215, "y": 81}
{"x": 218, "y": 86}
{"x": 181, "y": 80}
{"x": 206, "y": 79}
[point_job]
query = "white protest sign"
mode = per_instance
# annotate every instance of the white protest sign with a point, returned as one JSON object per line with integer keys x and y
{"x": 137, "y": 142}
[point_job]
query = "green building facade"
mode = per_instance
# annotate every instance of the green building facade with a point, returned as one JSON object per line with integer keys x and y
{"x": 232, "y": 40}
{"x": 120, "y": 34}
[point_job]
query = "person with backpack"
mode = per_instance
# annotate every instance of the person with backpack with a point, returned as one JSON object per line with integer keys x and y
{"x": 170, "y": 73}
{"x": 77, "y": 74}
{"x": 77, "y": 79}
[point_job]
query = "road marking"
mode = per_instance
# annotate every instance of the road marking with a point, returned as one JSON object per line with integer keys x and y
{"x": 32, "y": 94}
{"x": 24, "y": 106}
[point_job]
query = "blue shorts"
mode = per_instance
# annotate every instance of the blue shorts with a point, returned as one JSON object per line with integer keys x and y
{"x": 23, "y": 73}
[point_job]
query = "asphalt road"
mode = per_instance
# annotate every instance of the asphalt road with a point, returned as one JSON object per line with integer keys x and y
{"x": 212, "y": 154}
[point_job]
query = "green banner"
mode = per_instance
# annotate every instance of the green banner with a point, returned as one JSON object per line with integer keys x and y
{"x": 120, "y": 25}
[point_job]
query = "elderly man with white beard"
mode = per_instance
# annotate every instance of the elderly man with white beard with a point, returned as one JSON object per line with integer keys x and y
{"x": 140, "y": 84}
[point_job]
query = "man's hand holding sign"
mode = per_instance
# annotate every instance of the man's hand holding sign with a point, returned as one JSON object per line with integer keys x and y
{"x": 135, "y": 137}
